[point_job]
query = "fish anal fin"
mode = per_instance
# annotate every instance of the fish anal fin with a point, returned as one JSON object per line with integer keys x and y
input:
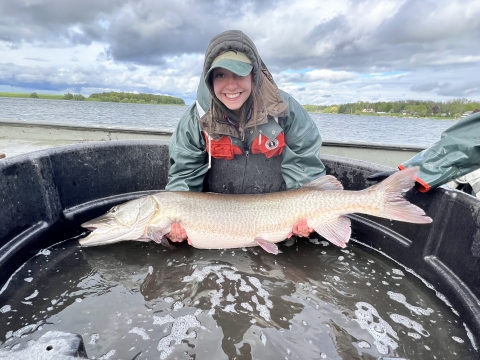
{"x": 327, "y": 182}
{"x": 337, "y": 231}
{"x": 267, "y": 246}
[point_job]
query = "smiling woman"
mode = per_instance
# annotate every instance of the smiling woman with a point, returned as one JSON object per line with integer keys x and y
{"x": 241, "y": 120}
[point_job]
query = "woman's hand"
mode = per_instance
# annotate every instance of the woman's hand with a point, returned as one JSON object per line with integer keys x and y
{"x": 177, "y": 233}
{"x": 300, "y": 228}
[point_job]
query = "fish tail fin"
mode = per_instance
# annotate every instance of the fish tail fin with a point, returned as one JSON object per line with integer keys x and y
{"x": 396, "y": 207}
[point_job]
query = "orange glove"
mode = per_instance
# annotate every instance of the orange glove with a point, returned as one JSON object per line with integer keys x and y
{"x": 177, "y": 233}
{"x": 300, "y": 228}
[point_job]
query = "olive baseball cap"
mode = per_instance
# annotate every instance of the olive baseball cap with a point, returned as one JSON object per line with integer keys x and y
{"x": 233, "y": 60}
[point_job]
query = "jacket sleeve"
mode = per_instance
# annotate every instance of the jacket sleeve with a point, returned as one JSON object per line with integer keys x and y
{"x": 457, "y": 153}
{"x": 187, "y": 155}
{"x": 300, "y": 157}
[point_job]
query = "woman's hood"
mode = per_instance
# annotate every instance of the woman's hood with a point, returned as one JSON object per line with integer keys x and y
{"x": 262, "y": 78}
{"x": 234, "y": 40}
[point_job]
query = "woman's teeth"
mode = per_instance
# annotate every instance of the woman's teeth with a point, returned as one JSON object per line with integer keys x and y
{"x": 232, "y": 96}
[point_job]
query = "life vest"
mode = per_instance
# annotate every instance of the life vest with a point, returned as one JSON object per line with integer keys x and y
{"x": 267, "y": 139}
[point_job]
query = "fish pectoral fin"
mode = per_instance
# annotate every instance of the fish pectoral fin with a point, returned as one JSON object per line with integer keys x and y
{"x": 267, "y": 246}
{"x": 156, "y": 235}
{"x": 337, "y": 231}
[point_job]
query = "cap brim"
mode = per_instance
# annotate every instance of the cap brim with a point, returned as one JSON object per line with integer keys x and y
{"x": 239, "y": 68}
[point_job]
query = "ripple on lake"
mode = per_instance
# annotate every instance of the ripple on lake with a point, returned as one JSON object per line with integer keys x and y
{"x": 339, "y": 128}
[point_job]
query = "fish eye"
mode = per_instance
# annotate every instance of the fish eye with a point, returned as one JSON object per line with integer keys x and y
{"x": 114, "y": 209}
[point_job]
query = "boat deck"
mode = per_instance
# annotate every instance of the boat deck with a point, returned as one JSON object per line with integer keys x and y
{"x": 20, "y": 138}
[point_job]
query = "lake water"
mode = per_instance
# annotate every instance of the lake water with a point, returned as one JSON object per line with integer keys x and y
{"x": 312, "y": 301}
{"x": 338, "y": 128}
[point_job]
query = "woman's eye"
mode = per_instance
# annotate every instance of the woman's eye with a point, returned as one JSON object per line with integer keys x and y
{"x": 219, "y": 75}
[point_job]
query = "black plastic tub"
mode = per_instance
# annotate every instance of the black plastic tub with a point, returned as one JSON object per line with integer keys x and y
{"x": 46, "y": 195}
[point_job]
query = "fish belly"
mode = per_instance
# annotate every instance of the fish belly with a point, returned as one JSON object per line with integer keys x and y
{"x": 205, "y": 240}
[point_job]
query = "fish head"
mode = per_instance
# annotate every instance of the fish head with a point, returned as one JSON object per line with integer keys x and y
{"x": 127, "y": 221}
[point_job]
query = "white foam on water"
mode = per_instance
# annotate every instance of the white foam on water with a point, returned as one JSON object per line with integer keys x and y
{"x": 230, "y": 308}
{"x": 177, "y": 305}
{"x": 160, "y": 320}
{"x": 363, "y": 345}
{"x": 150, "y": 270}
{"x": 409, "y": 323}
{"x": 470, "y": 336}
{"x": 29, "y": 279}
{"x": 26, "y": 329}
{"x": 262, "y": 309}
{"x": 6, "y": 308}
{"x": 94, "y": 338}
{"x": 108, "y": 355}
{"x": 139, "y": 331}
{"x": 403, "y": 300}
{"x": 45, "y": 252}
{"x": 426, "y": 283}
{"x": 180, "y": 331}
{"x": 244, "y": 287}
{"x": 169, "y": 300}
{"x": 398, "y": 272}
{"x": 457, "y": 339}
{"x": 263, "y": 338}
{"x": 231, "y": 275}
{"x": 230, "y": 298}
{"x": 414, "y": 335}
{"x": 380, "y": 330}
{"x": 215, "y": 297}
{"x": 34, "y": 294}
{"x": 247, "y": 306}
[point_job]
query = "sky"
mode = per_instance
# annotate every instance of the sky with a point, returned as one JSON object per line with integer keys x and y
{"x": 321, "y": 52}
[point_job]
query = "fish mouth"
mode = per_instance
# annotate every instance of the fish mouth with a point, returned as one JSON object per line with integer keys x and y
{"x": 103, "y": 237}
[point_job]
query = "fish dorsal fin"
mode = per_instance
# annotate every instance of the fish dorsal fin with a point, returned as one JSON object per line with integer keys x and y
{"x": 327, "y": 182}
{"x": 336, "y": 231}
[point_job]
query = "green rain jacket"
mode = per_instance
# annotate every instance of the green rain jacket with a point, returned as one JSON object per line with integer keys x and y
{"x": 457, "y": 153}
{"x": 188, "y": 156}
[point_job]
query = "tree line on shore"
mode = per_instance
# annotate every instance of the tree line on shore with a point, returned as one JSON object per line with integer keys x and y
{"x": 452, "y": 108}
{"x": 121, "y": 97}
{"x": 124, "y": 97}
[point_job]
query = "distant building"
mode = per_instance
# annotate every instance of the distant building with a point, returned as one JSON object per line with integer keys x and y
{"x": 467, "y": 113}
{"x": 368, "y": 110}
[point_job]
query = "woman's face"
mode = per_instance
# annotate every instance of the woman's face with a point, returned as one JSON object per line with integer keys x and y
{"x": 232, "y": 90}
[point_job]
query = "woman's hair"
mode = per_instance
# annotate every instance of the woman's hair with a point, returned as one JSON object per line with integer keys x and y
{"x": 255, "y": 103}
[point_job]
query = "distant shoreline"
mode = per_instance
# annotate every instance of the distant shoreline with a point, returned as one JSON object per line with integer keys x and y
{"x": 61, "y": 97}
{"x": 393, "y": 115}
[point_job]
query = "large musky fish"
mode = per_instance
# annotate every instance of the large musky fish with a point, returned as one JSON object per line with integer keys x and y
{"x": 222, "y": 221}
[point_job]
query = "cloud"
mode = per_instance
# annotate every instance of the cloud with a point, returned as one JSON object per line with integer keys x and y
{"x": 318, "y": 75}
{"x": 425, "y": 87}
{"x": 388, "y": 49}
